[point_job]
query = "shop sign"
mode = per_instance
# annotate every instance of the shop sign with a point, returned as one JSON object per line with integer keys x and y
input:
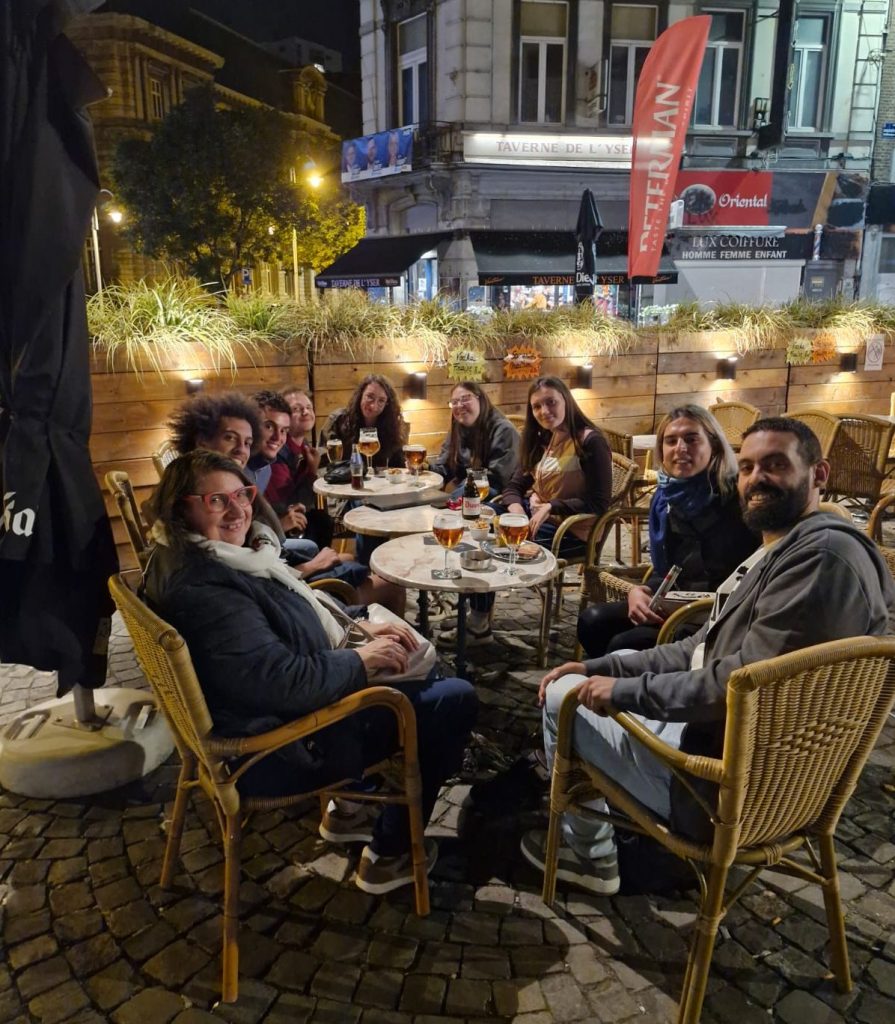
{"x": 357, "y": 282}
{"x": 554, "y": 150}
{"x": 755, "y": 248}
{"x": 378, "y": 155}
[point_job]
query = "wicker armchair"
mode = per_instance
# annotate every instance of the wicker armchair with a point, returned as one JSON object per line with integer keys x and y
{"x": 208, "y": 760}
{"x": 798, "y": 732}
{"x": 824, "y": 424}
{"x": 875, "y": 523}
{"x": 734, "y": 418}
{"x": 517, "y": 419}
{"x": 119, "y": 486}
{"x": 858, "y": 459}
{"x": 165, "y": 454}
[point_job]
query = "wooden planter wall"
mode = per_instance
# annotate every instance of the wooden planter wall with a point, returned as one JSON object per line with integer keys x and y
{"x": 630, "y": 393}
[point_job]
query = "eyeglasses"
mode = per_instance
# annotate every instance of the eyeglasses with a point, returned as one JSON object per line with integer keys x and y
{"x": 220, "y": 501}
{"x": 456, "y": 403}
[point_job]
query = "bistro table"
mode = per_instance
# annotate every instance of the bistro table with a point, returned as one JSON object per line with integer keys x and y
{"x": 398, "y": 522}
{"x": 409, "y": 561}
{"x": 379, "y": 485}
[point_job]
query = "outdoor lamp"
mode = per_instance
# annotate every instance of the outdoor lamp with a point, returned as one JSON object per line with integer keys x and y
{"x": 584, "y": 376}
{"x": 417, "y": 385}
{"x": 194, "y": 385}
{"x": 727, "y": 368}
{"x": 848, "y": 362}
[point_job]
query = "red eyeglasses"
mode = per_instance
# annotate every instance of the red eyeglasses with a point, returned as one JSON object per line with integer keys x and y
{"x": 220, "y": 501}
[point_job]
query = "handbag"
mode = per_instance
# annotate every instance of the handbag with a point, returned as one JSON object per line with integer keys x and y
{"x": 338, "y": 473}
{"x": 419, "y": 662}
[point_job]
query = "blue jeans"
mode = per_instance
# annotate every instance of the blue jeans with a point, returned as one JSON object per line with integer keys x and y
{"x": 569, "y": 546}
{"x": 301, "y": 547}
{"x": 604, "y": 743}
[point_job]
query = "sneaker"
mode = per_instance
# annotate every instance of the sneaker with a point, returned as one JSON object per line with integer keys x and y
{"x": 596, "y": 876}
{"x": 378, "y": 875}
{"x": 476, "y": 631}
{"x": 348, "y": 822}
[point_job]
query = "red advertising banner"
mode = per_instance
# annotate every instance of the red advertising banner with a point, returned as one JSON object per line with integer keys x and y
{"x": 662, "y": 104}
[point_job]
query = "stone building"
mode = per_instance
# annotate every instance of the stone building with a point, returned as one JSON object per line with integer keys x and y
{"x": 518, "y": 105}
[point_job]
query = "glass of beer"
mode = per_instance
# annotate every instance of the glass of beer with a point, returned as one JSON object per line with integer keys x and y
{"x": 334, "y": 449}
{"x": 415, "y": 457}
{"x": 512, "y": 529}
{"x": 482, "y": 483}
{"x": 448, "y": 529}
{"x": 368, "y": 445}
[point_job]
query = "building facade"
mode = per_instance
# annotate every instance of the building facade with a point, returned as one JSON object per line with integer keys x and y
{"x": 519, "y": 105}
{"x": 148, "y": 63}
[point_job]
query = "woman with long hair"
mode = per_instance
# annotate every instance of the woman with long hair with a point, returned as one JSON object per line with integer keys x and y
{"x": 565, "y": 468}
{"x": 695, "y": 521}
{"x": 481, "y": 437}
{"x": 267, "y": 650}
{"x": 373, "y": 404}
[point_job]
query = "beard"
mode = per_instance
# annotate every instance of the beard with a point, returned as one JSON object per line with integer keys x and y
{"x": 782, "y": 508}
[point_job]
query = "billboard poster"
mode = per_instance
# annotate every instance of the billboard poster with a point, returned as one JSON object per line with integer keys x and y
{"x": 662, "y": 104}
{"x": 378, "y": 155}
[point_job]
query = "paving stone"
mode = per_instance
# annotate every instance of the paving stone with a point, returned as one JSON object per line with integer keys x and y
{"x": 149, "y": 941}
{"x": 797, "y": 968}
{"x": 255, "y": 999}
{"x": 17, "y": 929}
{"x": 59, "y": 1003}
{"x": 798, "y": 1007}
{"x": 522, "y": 931}
{"x": 377, "y": 1016}
{"x": 340, "y": 944}
{"x": 535, "y": 961}
{"x": 32, "y": 951}
{"x": 293, "y": 970}
{"x": 874, "y": 1009}
{"x": 113, "y": 986}
{"x": 26, "y": 900}
{"x": 586, "y": 966}
{"x": 117, "y": 894}
{"x": 11, "y": 1008}
{"x": 336, "y": 982}
{"x": 612, "y": 1004}
{"x": 176, "y": 963}
{"x": 467, "y": 998}
{"x": 380, "y": 988}
{"x": 328, "y": 1012}
{"x": 488, "y": 962}
{"x": 423, "y": 993}
{"x": 29, "y": 872}
{"x": 564, "y": 998}
{"x": 131, "y": 918}
{"x": 350, "y": 906}
{"x": 291, "y": 1008}
{"x": 882, "y": 974}
{"x": 475, "y": 927}
{"x": 152, "y": 1004}
{"x": 518, "y": 996}
{"x": 41, "y": 977}
{"x": 93, "y": 954}
{"x": 392, "y": 951}
{"x": 440, "y": 958}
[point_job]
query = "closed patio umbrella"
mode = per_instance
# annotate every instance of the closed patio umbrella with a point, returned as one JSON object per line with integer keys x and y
{"x": 587, "y": 234}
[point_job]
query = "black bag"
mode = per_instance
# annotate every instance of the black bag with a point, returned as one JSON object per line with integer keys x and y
{"x": 338, "y": 473}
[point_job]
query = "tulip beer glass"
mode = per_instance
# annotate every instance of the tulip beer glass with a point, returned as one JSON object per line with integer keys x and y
{"x": 334, "y": 449}
{"x": 368, "y": 445}
{"x": 415, "y": 457}
{"x": 512, "y": 529}
{"x": 448, "y": 529}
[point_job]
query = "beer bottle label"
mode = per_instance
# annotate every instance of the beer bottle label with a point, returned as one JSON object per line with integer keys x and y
{"x": 472, "y": 507}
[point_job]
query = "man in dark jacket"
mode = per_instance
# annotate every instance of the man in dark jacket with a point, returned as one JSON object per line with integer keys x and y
{"x": 815, "y": 578}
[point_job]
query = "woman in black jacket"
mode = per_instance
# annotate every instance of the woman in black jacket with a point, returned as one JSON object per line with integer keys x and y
{"x": 266, "y": 651}
{"x": 695, "y": 522}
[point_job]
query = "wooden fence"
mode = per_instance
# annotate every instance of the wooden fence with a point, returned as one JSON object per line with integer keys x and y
{"x": 630, "y": 392}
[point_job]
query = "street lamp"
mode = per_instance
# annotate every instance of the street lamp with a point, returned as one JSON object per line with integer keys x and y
{"x": 116, "y": 216}
{"x": 315, "y": 179}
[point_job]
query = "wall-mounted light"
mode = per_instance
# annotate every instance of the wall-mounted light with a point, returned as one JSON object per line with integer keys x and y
{"x": 761, "y": 105}
{"x": 848, "y": 362}
{"x": 194, "y": 385}
{"x": 417, "y": 385}
{"x": 727, "y": 368}
{"x": 584, "y": 376}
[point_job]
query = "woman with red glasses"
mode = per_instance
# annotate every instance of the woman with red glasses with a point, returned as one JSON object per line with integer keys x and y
{"x": 266, "y": 651}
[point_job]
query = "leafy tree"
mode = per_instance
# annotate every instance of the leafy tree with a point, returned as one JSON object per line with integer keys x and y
{"x": 210, "y": 189}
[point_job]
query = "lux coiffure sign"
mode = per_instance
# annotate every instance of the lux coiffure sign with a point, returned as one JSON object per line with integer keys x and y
{"x": 535, "y": 149}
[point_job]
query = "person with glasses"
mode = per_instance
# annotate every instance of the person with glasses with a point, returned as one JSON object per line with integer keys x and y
{"x": 267, "y": 650}
{"x": 695, "y": 521}
{"x": 373, "y": 404}
{"x": 481, "y": 437}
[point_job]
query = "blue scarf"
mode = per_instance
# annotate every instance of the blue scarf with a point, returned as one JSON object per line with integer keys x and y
{"x": 688, "y": 496}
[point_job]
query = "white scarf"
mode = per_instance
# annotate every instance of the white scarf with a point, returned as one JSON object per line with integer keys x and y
{"x": 261, "y": 558}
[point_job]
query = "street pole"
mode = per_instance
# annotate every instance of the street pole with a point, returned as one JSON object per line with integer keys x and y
{"x": 295, "y": 263}
{"x": 94, "y": 231}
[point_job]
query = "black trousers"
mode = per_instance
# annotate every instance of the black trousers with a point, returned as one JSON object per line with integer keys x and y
{"x": 604, "y": 628}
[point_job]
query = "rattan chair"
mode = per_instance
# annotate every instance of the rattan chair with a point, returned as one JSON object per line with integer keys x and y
{"x": 734, "y": 418}
{"x": 875, "y": 523}
{"x": 824, "y": 424}
{"x": 517, "y": 419}
{"x": 858, "y": 459}
{"x": 165, "y": 454}
{"x": 799, "y": 729}
{"x": 208, "y": 760}
{"x": 119, "y": 486}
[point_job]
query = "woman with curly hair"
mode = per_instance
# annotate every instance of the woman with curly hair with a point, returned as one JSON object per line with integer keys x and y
{"x": 481, "y": 437}
{"x": 373, "y": 404}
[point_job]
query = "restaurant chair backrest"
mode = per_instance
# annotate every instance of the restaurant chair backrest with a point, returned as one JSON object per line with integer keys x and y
{"x": 165, "y": 454}
{"x": 619, "y": 442}
{"x": 119, "y": 486}
{"x": 517, "y": 419}
{"x": 734, "y": 418}
{"x": 824, "y": 424}
{"x": 858, "y": 457}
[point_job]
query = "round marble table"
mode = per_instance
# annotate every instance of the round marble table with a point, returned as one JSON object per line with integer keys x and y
{"x": 644, "y": 442}
{"x": 398, "y": 522}
{"x": 374, "y": 485}
{"x": 409, "y": 561}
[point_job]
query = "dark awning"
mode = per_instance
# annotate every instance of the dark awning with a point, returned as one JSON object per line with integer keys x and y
{"x": 881, "y": 204}
{"x": 548, "y": 258}
{"x": 378, "y": 262}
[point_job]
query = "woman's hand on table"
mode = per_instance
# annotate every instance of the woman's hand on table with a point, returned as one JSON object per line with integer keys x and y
{"x": 399, "y": 631}
{"x": 639, "y": 611}
{"x": 384, "y": 653}
{"x": 566, "y": 669}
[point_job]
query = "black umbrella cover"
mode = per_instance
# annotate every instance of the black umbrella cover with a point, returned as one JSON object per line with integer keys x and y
{"x": 56, "y": 544}
{"x": 587, "y": 233}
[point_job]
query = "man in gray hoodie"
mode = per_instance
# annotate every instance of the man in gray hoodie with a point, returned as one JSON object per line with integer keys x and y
{"x": 815, "y": 578}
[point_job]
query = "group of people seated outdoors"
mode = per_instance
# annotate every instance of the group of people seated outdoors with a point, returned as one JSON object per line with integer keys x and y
{"x": 238, "y": 536}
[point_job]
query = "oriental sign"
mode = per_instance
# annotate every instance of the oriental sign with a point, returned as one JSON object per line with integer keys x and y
{"x": 554, "y": 150}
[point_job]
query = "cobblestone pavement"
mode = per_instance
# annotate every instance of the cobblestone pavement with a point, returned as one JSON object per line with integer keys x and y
{"x": 89, "y": 936}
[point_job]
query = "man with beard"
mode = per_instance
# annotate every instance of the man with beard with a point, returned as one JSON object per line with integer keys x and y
{"x": 814, "y": 579}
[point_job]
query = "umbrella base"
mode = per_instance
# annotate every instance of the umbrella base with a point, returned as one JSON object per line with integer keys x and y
{"x": 47, "y": 753}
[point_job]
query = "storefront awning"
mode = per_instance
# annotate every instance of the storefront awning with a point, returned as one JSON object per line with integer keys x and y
{"x": 378, "y": 262}
{"x": 548, "y": 258}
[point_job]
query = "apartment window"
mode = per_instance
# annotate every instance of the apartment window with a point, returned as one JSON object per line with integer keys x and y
{"x": 808, "y": 73}
{"x": 718, "y": 90}
{"x": 887, "y": 254}
{"x": 633, "y": 33}
{"x": 158, "y": 98}
{"x": 542, "y": 61}
{"x": 413, "y": 82}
